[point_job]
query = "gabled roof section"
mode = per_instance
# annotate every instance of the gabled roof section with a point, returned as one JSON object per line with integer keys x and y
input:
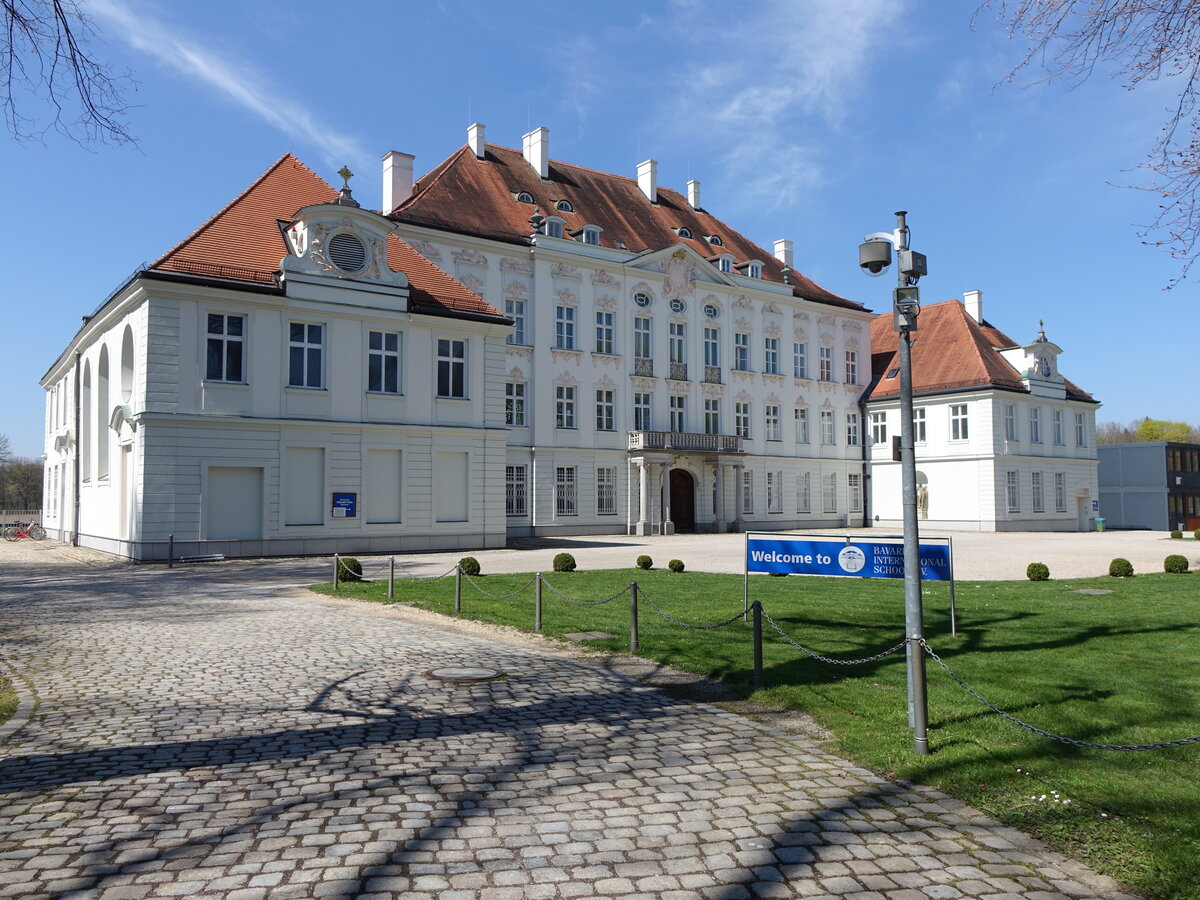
{"x": 244, "y": 242}
{"x": 468, "y": 195}
{"x": 950, "y": 351}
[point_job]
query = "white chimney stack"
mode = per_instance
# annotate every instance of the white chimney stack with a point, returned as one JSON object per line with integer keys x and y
{"x": 648, "y": 179}
{"x": 475, "y": 140}
{"x": 973, "y": 301}
{"x": 397, "y": 179}
{"x": 783, "y": 251}
{"x": 694, "y": 194}
{"x": 535, "y": 147}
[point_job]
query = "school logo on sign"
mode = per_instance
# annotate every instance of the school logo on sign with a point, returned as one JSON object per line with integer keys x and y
{"x": 852, "y": 559}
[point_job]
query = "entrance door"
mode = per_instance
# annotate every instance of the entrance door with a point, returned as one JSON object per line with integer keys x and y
{"x": 683, "y": 500}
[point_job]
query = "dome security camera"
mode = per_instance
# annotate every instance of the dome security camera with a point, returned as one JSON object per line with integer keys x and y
{"x": 874, "y": 257}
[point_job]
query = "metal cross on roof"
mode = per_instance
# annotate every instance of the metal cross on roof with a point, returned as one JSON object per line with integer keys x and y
{"x": 346, "y": 174}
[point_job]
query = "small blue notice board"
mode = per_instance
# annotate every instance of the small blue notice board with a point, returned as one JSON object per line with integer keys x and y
{"x": 345, "y": 506}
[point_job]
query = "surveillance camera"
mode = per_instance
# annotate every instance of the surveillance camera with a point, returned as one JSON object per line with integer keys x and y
{"x": 874, "y": 257}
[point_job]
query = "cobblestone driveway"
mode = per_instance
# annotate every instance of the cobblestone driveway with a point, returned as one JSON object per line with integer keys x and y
{"x": 197, "y": 737}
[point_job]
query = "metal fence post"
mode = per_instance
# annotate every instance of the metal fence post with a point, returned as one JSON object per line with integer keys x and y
{"x": 633, "y": 622}
{"x": 171, "y": 552}
{"x": 391, "y": 577}
{"x": 537, "y": 602}
{"x": 337, "y": 563}
{"x": 458, "y": 589}
{"x": 758, "y": 659}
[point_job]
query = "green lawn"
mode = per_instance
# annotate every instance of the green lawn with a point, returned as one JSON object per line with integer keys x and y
{"x": 1118, "y": 668}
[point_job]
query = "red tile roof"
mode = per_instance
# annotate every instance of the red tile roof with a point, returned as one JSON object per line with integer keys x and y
{"x": 950, "y": 351}
{"x": 468, "y": 195}
{"x": 243, "y": 242}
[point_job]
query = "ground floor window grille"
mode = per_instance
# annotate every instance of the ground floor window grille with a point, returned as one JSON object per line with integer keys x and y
{"x": 854, "y": 482}
{"x": 1013, "y": 492}
{"x": 515, "y": 491}
{"x": 566, "y": 499}
{"x": 747, "y": 493}
{"x": 606, "y": 491}
{"x": 803, "y": 493}
{"x": 774, "y": 492}
{"x": 1039, "y": 494}
{"x": 1060, "y": 492}
{"x": 831, "y": 493}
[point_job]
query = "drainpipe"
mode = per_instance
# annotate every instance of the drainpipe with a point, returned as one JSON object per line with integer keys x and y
{"x": 866, "y": 450}
{"x": 533, "y": 491}
{"x": 78, "y": 474}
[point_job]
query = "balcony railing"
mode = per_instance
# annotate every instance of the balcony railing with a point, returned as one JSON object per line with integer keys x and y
{"x": 678, "y": 371}
{"x": 685, "y": 440}
{"x": 712, "y": 374}
{"x": 643, "y": 367}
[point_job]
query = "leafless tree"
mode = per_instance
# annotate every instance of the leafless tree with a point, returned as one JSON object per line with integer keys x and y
{"x": 1139, "y": 41}
{"x": 5, "y": 449}
{"x": 45, "y": 57}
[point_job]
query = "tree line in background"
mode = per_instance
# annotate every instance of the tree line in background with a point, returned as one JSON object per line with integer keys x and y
{"x": 1147, "y": 430}
{"x": 20, "y": 479}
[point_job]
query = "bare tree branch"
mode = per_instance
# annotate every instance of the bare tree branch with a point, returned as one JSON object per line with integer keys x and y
{"x": 44, "y": 53}
{"x": 1139, "y": 40}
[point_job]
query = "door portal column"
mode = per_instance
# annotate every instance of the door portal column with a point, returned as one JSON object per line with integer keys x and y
{"x": 668, "y": 527}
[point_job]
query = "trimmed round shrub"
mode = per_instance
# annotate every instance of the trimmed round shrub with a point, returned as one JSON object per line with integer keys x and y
{"x": 469, "y": 566}
{"x": 564, "y": 562}
{"x": 1196, "y": 535}
{"x": 1176, "y": 534}
{"x": 644, "y": 562}
{"x": 1037, "y": 572}
{"x": 1120, "y": 568}
{"x": 1175, "y": 564}
{"x": 350, "y": 569}
{"x": 675, "y": 565}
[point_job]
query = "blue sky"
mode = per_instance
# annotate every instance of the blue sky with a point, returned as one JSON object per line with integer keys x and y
{"x": 808, "y": 119}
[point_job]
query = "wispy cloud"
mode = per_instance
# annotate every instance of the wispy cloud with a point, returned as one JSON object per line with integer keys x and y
{"x": 238, "y": 81}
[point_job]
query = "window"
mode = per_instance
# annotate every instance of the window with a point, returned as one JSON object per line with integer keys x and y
{"x": 642, "y": 300}
{"x": 851, "y": 429}
{"x": 918, "y": 426}
{"x": 827, "y": 432}
{"x": 514, "y": 403}
{"x": 825, "y": 363}
{"x": 678, "y": 408}
{"x": 641, "y": 337}
{"x": 830, "y": 492}
{"x": 1039, "y": 496}
{"x": 554, "y": 227}
{"x": 851, "y": 367}
{"x": 566, "y": 500}
{"x": 564, "y": 406}
{"x": 677, "y": 345}
{"x": 1035, "y": 425}
{"x": 452, "y": 368}
{"x": 383, "y": 362}
{"x": 878, "y": 428}
{"x": 1056, "y": 419}
{"x": 774, "y": 492}
{"x": 1060, "y": 492}
{"x": 524, "y": 197}
{"x": 564, "y": 327}
{"x": 225, "y": 348}
{"x": 684, "y": 232}
{"x": 804, "y": 493}
{"x": 641, "y": 412}
{"x": 604, "y": 411}
{"x": 725, "y": 263}
{"x": 515, "y": 310}
{"x": 678, "y": 306}
{"x": 1013, "y": 492}
{"x": 1010, "y": 422}
{"x": 604, "y": 332}
{"x": 799, "y": 360}
{"x": 1080, "y": 431}
{"x": 771, "y": 355}
{"x": 958, "y": 422}
{"x": 741, "y": 351}
{"x": 741, "y": 419}
{"x": 515, "y": 490}
{"x": 754, "y": 269}
{"x": 801, "y": 424}
{"x": 590, "y": 235}
{"x": 306, "y": 344}
{"x": 854, "y": 485}
{"x": 747, "y": 492}
{"x": 715, "y": 240}
{"x": 606, "y": 491}
{"x": 773, "y": 431}
{"x": 712, "y": 311}
{"x": 564, "y": 206}
{"x": 712, "y": 347}
{"x": 712, "y": 415}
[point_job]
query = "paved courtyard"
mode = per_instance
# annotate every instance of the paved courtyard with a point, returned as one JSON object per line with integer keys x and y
{"x": 201, "y": 733}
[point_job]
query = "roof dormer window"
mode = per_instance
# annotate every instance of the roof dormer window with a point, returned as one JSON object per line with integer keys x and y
{"x": 524, "y": 197}
{"x": 715, "y": 240}
{"x": 724, "y": 262}
{"x": 554, "y": 226}
{"x": 752, "y": 269}
{"x": 588, "y": 234}
{"x": 683, "y": 231}
{"x": 564, "y": 206}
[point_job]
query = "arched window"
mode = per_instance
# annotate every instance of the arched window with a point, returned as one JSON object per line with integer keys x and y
{"x": 102, "y": 416}
{"x": 83, "y": 440}
{"x": 127, "y": 365}
{"x": 564, "y": 206}
{"x": 524, "y": 197}
{"x": 684, "y": 232}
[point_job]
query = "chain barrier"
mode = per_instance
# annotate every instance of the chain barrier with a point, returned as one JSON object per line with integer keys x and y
{"x": 831, "y": 660}
{"x": 670, "y": 618}
{"x": 365, "y": 572}
{"x": 1074, "y": 742}
{"x": 556, "y": 591}
{"x": 403, "y": 568}
{"x": 519, "y": 590}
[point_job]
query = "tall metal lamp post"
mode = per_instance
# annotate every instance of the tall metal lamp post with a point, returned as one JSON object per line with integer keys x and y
{"x": 874, "y": 256}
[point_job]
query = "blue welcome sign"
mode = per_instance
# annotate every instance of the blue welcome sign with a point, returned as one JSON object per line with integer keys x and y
{"x": 838, "y": 555}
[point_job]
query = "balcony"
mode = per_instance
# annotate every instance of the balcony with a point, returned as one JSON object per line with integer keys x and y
{"x": 678, "y": 371}
{"x": 643, "y": 367}
{"x": 712, "y": 374}
{"x": 685, "y": 440}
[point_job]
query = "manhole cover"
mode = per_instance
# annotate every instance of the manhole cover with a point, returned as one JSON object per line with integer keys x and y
{"x": 1095, "y": 592}
{"x": 463, "y": 674}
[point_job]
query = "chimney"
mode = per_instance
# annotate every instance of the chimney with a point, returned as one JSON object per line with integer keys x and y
{"x": 535, "y": 147}
{"x": 783, "y": 251}
{"x": 397, "y": 179}
{"x": 694, "y": 194}
{"x": 973, "y": 301}
{"x": 475, "y": 140}
{"x": 648, "y": 179}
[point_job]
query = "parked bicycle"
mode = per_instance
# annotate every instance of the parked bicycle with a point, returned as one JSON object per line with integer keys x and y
{"x": 33, "y": 531}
